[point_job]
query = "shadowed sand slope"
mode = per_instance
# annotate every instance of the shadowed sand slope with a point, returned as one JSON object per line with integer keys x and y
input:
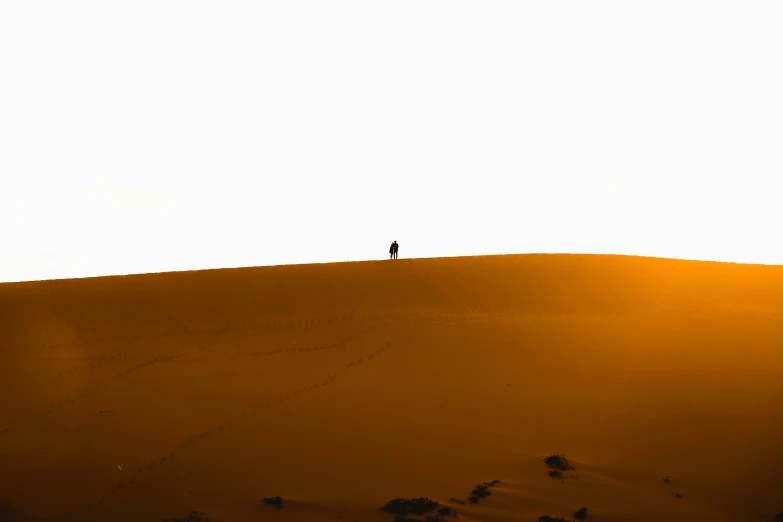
{"x": 340, "y": 387}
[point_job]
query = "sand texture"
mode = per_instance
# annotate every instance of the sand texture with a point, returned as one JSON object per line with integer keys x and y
{"x": 340, "y": 387}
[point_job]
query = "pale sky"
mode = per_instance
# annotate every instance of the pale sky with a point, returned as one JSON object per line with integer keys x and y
{"x": 148, "y": 136}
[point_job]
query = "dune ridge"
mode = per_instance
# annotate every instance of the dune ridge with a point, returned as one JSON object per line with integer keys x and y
{"x": 341, "y": 387}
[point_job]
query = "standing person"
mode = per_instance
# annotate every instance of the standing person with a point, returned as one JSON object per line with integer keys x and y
{"x": 395, "y": 247}
{"x": 391, "y": 250}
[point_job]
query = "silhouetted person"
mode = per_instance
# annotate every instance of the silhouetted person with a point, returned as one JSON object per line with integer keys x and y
{"x": 393, "y": 250}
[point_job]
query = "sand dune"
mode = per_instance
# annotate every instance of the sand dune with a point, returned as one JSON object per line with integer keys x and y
{"x": 340, "y": 387}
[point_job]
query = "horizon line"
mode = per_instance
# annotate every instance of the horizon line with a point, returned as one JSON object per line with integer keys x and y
{"x": 245, "y": 267}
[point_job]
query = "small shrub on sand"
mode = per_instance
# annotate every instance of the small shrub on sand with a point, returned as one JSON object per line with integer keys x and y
{"x": 667, "y": 479}
{"x": 558, "y": 462}
{"x": 446, "y": 511}
{"x": 274, "y": 501}
{"x": 547, "y": 518}
{"x": 193, "y": 516}
{"x": 410, "y": 506}
{"x": 581, "y": 514}
{"x": 676, "y": 495}
{"x": 482, "y": 491}
{"x": 457, "y": 501}
{"x": 555, "y": 473}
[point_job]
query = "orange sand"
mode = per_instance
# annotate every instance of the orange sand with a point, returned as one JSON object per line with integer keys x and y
{"x": 342, "y": 386}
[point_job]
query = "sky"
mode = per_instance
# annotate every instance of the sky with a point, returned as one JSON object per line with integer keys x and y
{"x": 151, "y": 136}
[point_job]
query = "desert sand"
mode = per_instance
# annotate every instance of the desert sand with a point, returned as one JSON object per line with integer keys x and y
{"x": 340, "y": 387}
